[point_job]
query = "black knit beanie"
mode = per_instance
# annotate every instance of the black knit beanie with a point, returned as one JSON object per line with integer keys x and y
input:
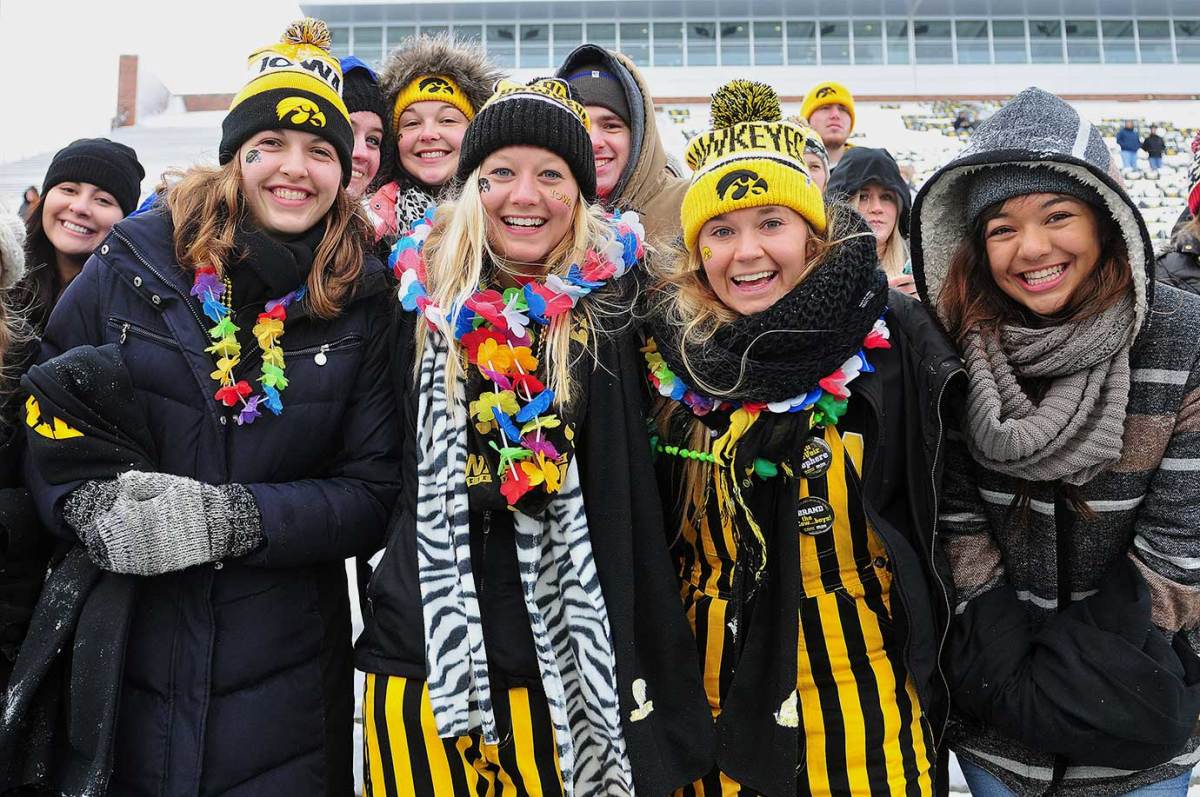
{"x": 545, "y": 113}
{"x": 360, "y": 89}
{"x": 597, "y": 86}
{"x": 103, "y": 163}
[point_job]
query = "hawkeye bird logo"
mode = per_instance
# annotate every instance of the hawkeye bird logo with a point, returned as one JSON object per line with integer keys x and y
{"x": 743, "y": 182}
{"x": 435, "y": 85}
{"x": 52, "y": 429}
{"x": 299, "y": 111}
{"x": 826, "y": 91}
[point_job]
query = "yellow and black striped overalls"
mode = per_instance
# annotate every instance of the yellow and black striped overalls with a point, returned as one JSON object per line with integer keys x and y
{"x": 859, "y": 718}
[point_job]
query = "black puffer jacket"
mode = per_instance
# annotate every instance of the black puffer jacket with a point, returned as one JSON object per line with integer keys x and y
{"x": 237, "y": 677}
{"x": 1180, "y": 265}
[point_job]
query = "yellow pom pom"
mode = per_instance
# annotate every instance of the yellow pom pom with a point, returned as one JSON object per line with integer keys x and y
{"x": 744, "y": 101}
{"x": 308, "y": 31}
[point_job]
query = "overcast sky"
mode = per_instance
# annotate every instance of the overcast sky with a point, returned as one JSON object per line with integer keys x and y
{"x": 60, "y": 79}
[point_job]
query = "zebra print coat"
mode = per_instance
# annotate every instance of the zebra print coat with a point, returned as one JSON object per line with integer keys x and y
{"x": 668, "y": 746}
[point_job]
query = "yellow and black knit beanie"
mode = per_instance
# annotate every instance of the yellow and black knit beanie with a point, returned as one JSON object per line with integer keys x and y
{"x": 544, "y": 113}
{"x": 751, "y": 158}
{"x": 828, "y": 93}
{"x": 431, "y": 88}
{"x": 295, "y": 84}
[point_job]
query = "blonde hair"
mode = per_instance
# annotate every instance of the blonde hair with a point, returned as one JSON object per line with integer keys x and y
{"x": 206, "y": 204}
{"x": 895, "y": 253}
{"x": 459, "y": 259}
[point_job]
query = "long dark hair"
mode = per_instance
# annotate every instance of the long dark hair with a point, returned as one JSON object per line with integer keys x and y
{"x": 34, "y": 295}
{"x": 971, "y": 301}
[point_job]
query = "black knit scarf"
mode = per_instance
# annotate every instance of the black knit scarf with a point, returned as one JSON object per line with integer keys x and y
{"x": 783, "y": 351}
{"x": 267, "y": 267}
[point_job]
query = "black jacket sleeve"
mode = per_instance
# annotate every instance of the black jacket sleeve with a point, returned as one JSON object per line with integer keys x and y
{"x": 1097, "y": 684}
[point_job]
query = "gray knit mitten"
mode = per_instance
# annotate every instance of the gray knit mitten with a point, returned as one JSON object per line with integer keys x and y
{"x": 147, "y": 524}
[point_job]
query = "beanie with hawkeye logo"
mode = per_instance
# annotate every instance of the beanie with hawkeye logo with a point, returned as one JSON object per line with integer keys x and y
{"x": 295, "y": 84}
{"x": 751, "y": 158}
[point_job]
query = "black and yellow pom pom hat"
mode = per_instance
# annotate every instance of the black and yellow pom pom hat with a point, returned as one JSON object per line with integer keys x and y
{"x": 749, "y": 159}
{"x": 295, "y": 84}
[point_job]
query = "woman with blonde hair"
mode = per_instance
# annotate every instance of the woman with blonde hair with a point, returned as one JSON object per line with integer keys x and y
{"x": 798, "y": 430}
{"x": 240, "y": 326}
{"x": 502, "y": 645}
{"x": 870, "y": 180}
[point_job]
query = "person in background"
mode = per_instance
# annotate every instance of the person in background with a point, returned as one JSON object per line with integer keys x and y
{"x": 1070, "y": 512}
{"x": 870, "y": 180}
{"x": 29, "y": 200}
{"x": 252, "y": 326}
{"x": 816, "y": 158}
{"x": 24, "y": 545}
{"x": 91, "y": 184}
{"x": 632, "y": 169}
{"x": 432, "y": 87}
{"x": 1129, "y": 143}
{"x": 1155, "y": 147}
{"x": 829, "y": 108}
{"x": 374, "y": 150}
{"x": 1180, "y": 264}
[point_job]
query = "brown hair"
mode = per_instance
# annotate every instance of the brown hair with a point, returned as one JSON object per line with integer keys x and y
{"x": 971, "y": 301}
{"x": 206, "y": 205}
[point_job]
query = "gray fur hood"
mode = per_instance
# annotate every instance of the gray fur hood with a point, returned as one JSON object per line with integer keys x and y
{"x": 462, "y": 61}
{"x": 1038, "y": 130}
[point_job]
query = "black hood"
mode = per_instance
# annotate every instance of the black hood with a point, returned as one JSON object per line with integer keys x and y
{"x": 862, "y": 165}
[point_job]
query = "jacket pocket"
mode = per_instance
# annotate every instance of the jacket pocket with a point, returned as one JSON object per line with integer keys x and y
{"x": 124, "y": 329}
{"x": 321, "y": 353}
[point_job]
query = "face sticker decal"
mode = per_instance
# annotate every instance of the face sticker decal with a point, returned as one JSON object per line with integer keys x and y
{"x": 484, "y": 185}
{"x": 705, "y": 253}
{"x": 253, "y": 156}
{"x": 563, "y": 198}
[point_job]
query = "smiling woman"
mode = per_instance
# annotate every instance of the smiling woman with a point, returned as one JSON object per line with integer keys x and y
{"x": 90, "y": 185}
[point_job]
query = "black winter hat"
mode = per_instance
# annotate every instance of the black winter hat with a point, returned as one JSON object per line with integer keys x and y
{"x": 360, "y": 89}
{"x": 862, "y": 165}
{"x": 101, "y": 162}
{"x": 545, "y": 113}
{"x": 597, "y": 86}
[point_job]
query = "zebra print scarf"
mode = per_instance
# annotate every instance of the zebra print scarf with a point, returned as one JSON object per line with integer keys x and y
{"x": 562, "y": 598}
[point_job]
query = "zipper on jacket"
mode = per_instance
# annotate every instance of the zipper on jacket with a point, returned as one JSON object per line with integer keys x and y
{"x": 937, "y": 453}
{"x": 343, "y": 342}
{"x": 128, "y": 327}
{"x": 482, "y": 570}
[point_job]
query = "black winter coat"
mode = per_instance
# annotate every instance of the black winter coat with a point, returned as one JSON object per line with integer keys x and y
{"x": 1180, "y": 265}
{"x": 670, "y": 747}
{"x": 238, "y": 677}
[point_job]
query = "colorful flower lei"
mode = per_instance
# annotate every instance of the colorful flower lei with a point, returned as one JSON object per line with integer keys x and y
{"x": 212, "y": 293}
{"x": 493, "y": 329}
{"x": 828, "y": 400}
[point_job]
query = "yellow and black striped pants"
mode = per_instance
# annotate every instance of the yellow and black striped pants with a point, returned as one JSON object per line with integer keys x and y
{"x": 403, "y": 756}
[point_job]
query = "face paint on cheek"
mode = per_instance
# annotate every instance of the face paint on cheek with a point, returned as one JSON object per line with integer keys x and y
{"x": 705, "y": 253}
{"x": 484, "y": 185}
{"x": 563, "y": 198}
{"x": 253, "y": 156}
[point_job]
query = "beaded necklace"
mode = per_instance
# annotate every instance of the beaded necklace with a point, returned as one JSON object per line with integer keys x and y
{"x": 495, "y": 331}
{"x": 216, "y": 298}
{"x": 828, "y": 400}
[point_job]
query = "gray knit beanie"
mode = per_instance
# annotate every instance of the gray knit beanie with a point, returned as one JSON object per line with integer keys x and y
{"x": 1000, "y": 183}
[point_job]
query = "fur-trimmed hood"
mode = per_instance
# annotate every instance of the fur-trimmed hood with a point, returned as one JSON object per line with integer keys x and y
{"x": 462, "y": 61}
{"x": 1039, "y": 130}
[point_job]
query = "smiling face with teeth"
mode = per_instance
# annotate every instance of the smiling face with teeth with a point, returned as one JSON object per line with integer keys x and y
{"x": 428, "y": 140}
{"x": 292, "y": 182}
{"x": 610, "y": 147}
{"x": 530, "y": 204}
{"x": 76, "y": 217}
{"x": 368, "y": 137}
{"x": 753, "y": 257}
{"x": 1041, "y": 248}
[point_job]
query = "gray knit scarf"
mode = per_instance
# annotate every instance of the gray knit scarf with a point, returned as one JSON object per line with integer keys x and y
{"x": 1076, "y": 429}
{"x": 562, "y": 594}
